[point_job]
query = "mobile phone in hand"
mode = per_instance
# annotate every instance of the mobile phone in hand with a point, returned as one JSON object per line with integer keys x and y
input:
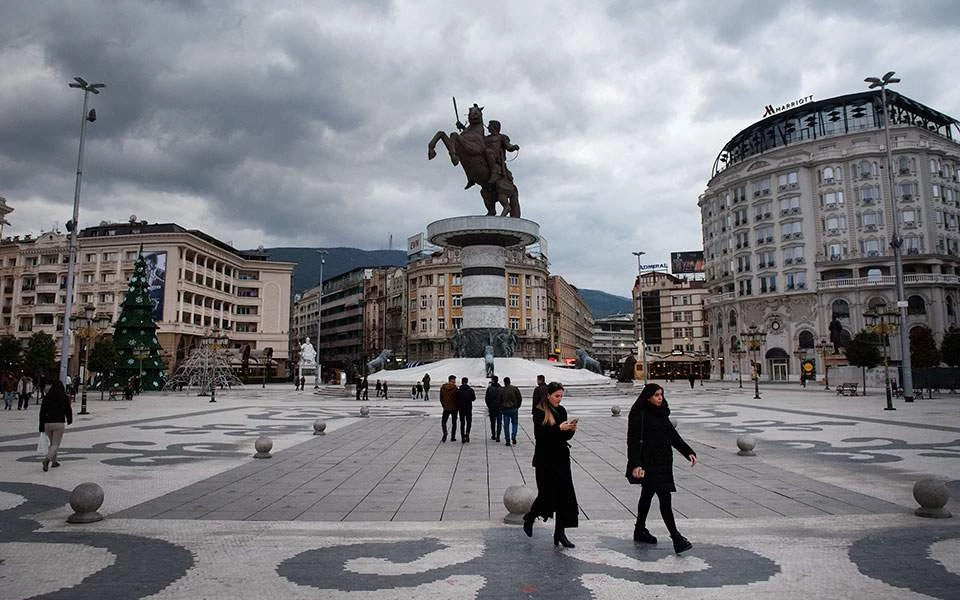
{"x": 574, "y": 420}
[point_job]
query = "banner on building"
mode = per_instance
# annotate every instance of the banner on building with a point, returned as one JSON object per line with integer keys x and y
{"x": 156, "y": 281}
{"x": 685, "y": 263}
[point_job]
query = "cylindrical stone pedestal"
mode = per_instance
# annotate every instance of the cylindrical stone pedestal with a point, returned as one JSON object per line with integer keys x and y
{"x": 483, "y": 243}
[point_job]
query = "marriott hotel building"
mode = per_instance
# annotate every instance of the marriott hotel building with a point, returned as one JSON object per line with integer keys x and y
{"x": 797, "y": 224}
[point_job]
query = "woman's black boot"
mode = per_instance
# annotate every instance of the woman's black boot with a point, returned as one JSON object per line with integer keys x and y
{"x": 528, "y": 520}
{"x": 560, "y": 538}
{"x": 641, "y": 534}
{"x": 680, "y": 543}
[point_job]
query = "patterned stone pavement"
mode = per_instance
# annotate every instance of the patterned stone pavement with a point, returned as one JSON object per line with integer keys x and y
{"x": 380, "y": 508}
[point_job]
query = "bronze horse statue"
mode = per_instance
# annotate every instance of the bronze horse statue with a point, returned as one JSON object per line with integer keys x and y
{"x": 469, "y": 150}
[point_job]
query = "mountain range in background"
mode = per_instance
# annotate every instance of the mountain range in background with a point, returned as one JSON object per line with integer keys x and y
{"x": 338, "y": 261}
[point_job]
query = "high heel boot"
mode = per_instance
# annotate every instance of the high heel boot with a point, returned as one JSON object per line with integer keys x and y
{"x": 560, "y": 538}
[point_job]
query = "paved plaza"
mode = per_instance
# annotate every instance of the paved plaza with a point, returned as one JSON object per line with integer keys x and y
{"x": 379, "y": 507}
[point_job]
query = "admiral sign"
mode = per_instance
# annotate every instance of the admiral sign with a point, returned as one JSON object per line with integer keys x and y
{"x": 770, "y": 109}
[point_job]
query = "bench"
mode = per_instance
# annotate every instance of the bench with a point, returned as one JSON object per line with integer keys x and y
{"x": 847, "y": 389}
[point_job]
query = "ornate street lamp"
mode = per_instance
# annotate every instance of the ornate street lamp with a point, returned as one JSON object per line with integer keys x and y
{"x": 89, "y": 328}
{"x": 755, "y": 338}
{"x": 881, "y": 323}
{"x": 822, "y": 347}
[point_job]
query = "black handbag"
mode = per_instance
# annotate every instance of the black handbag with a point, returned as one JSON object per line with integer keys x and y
{"x": 630, "y": 477}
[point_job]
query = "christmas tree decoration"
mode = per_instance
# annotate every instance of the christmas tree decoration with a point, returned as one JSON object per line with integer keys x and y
{"x": 139, "y": 363}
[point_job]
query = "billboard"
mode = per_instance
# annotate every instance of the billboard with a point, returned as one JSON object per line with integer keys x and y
{"x": 415, "y": 244}
{"x": 684, "y": 263}
{"x": 156, "y": 281}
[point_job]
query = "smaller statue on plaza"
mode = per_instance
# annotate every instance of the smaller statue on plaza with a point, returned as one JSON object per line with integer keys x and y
{"x": 308, "y": 356}
{"x": 488, "y": 360}
{"x": 836, "y": 334}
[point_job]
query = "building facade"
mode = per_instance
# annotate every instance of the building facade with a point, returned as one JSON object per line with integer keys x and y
{"x": 797, "y": 227}
{"x": 614, "y": 338}
{"x": 198, "y": 284}
{"x": 434, "y": 295}
{"x": 570, "y": 320}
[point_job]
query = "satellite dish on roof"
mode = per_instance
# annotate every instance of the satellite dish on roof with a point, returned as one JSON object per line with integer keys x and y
{"x": 132, "y": 219}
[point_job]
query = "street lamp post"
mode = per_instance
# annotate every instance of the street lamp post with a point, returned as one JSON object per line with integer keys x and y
{"x": 317, "y": 374}
{"x": 755, "y": 337}
{"x": 882, "y": 322}
{"x": 642, "y": 333}
{"x": 91, "y": 116}
{"x": 739, "y": 353}
{"x": 896, "y": 242}
{"x": 822, "y": 347}
{"x": 89, "y": 327}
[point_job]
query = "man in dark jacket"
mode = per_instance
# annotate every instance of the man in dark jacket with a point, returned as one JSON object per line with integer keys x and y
{"x": 448, "y": 400}
{"x": 426, "y": 386}
{"x": 465, "y": 399}
{"x": 510, "y": 410}
{"x": 494, "y": 400}
{"x": 539, "y": 392}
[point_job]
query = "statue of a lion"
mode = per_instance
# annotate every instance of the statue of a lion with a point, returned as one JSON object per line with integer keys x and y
{"x": 585, "y": 361}
{"x": 379, "y": 362}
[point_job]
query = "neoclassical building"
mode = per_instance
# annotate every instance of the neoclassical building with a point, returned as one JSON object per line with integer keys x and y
{"x": 797, "y": 227}
{"x": 434, "y": 294}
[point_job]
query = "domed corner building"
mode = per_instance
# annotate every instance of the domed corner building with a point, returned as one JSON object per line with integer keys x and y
{"x": 797, "y": 222}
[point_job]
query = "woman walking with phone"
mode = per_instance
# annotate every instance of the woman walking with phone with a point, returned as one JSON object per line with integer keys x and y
{"x": 651, "y": 438}
{"x": 551, "y": 459}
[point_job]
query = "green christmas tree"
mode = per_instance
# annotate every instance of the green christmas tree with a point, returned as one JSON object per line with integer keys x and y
{"x": 135, "y": 336}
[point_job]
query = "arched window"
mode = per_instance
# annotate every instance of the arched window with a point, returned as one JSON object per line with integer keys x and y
{"x": 916, "y": 306}
{"x": 805, "y": 340}
{"x": 950, "y": 309}
{"x": 733, "y": 319}
{"x": 734, "y": 343}
{"x": 828, "y": 175}
{"x": 875, "y": 302}
{"x": 840, "y": 309}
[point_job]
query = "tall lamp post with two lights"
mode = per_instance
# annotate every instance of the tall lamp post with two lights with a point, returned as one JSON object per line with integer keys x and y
{"x": 882, "y": 322}
{"x": 89, "y": 328}
{"x": 755, "y": 338}
{"x": 91, "y": 116}
{"x": 896, "y": 242}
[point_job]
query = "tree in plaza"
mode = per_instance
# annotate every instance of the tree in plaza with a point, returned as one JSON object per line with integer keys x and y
{"x": 40, "y": 359}
{"x": 11, "y": 355}
{"x": 923, "y": 348}
{"x": 950, "y": 348}
{"x": 862, "y": 352}
{"x": 103, "y": 361}
{"x": 135, "y": 337}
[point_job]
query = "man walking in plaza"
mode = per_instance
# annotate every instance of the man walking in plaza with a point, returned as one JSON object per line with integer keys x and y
{"x": 426, "y": 386}
{"x": 539, "y": 392}
{"x": 510, "y": 409}
{"x": 448, "y": 400}
{"x": 494, "y": 401}
{"x": 465, "y": 399}
{"x": 385, "y": 390}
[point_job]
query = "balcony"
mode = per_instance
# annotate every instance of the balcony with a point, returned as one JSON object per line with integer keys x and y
{"x": 889, "y": 280}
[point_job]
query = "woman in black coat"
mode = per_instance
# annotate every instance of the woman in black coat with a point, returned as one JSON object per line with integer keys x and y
{"x": 551, "y": 459}
{"x": 55, "y": 414}
{"x": 651, "y": 439}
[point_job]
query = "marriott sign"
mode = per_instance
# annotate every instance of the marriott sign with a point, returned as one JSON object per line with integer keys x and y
{"x": 772, "y": 110}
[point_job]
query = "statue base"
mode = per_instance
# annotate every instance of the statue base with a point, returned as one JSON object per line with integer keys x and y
{"x": 472, "y": 342}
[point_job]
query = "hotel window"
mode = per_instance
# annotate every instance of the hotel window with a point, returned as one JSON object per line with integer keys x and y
{"x": 514, "y": 279}
{"x": 908, "y": 217}
{"x": 746, "y": 287}
{"x": 871, "y": 247}
{"x": 831, "y": 199}
{"x": 457, "y": 322}
{"x": 907, "y": 189}
{"x": 835, "y": 224}
{"x": 763, "y": 211}
{"x": 514, "y": 300}
{"x": 423, "y": 325}
{"x": 528, "y": 324}
{"x": 457, "y": 300}
{"x": 90, "y": 258}
{"x": 743, "y": 264}
{"x": 787, "y": 181}
{"x": 457, "y": 279}
{"x": 796, "y": 280}
{"x": 515, "y": 324}
{"x": 765, "y": 234}
{"x": 912, "y": 245}
{"x": 790, "y": 205}
{"x": 791, "y": 230}
{"x": 423, "y": 300}
{"x": 836, "y": 251}
{"x": 829, "y": 175}
{"x": 768, "y": 283}
{"x": 936, "y": 191}
{"x": 441, "y": 325}
{"x": 527, "y": 303}
{"x": 871, "y": 219}
{"x": 793, "y": 254}
{"x": 760, "y": 187}
{"x": 766, "y": 259}
{"x": 441, "y": 302}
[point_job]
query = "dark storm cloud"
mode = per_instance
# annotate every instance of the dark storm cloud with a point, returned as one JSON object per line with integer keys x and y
{"x": 291, "y": 123}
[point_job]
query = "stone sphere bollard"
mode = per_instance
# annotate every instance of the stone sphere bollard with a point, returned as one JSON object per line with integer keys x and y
{"x": 319, "y": 427}
{"x": 518, "y": 499}
{"x": 364, "y": 411}
{"x": 932, "y": 495}
{"x": 674, "y": 423}
{"x": 263, "y": 446}
{"x": 85, "y": 499}
{"x": 746, "y": 443}
{"x": 615, "y": 410}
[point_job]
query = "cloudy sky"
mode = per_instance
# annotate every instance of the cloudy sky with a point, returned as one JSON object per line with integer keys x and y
{"x": 288, "y": 123}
